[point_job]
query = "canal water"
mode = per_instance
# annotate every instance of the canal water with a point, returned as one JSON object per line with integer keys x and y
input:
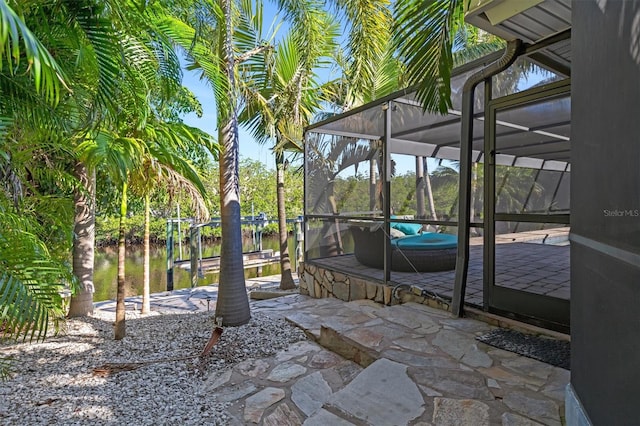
{"x": 106, "y": 267}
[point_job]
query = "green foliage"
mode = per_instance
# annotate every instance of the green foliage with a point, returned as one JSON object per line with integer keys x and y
{"x": 31, "y": 282}
{"x": 40, "y": 65}
{"x": 257, "y": 189}
{"x": 423, "y": 34}
{"x": 107, "y": 228}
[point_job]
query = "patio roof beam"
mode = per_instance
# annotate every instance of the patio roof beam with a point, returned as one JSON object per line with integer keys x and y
{"x": 426, "y": 127}
{"x": 534, "y": 144}
{"x": 550, "y": 125}
{"x": 409, "y": 102}
{"x": 508, "y": 151}
{"x": 533, "y": 51}
{"x": 551, "y": 63}
{"x": 347, "y": 134}
{"x": 480, "y": 138}
{"x": 437, "y": 125}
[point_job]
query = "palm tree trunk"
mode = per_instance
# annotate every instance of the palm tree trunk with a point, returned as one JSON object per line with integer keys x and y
{"x": 232, "y": 307}
{"x": 146, "y": 303}
{"x": 420, "y": 188}
{"x": 84, "y": 241}
{"x": 474, "y": 190}
{"x": 427, "y": 181}
{"x": 286, "y": 279}
{"x": 120, "y": 315}
{"x": 373, "y": 184}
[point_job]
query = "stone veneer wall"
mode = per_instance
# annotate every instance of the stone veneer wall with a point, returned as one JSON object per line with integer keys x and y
{"x": 319, "y": 282}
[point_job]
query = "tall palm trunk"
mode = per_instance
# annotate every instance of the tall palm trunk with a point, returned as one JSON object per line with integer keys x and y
{"x": 474, "y": 190}
{"x": 232, "y": 307}
{"x": 146, "y": 303}
{"x": 120, "y": 331}
{"x": 373, "y": 184}
{"x": 83, "y": 241}
{"x": 429, "y": 191}
{"x": 286, "y": 280}
{"x": 420, "y": 188}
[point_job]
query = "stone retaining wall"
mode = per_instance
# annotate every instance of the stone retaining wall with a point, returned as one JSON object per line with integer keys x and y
{"x": 319, "y": 282}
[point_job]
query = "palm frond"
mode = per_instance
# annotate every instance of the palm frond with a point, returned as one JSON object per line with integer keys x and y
{"x": 198, "y": 56}
{"x": 423, "y": 36}
{"x": 47, "y": 75}
{"x": 472, "y": 43}
{"x": 119, "y": 155}
{"x": 31, "y": 282}
{"x": 369, "y": 34}
{"x": 100, "y": 33}
{"x": 177, "y": 183}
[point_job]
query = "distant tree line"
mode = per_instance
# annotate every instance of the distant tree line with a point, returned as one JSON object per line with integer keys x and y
{"x": 257, "y": 192}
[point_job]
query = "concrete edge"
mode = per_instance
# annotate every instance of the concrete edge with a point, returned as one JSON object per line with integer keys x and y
{"x": 512, "y": 324}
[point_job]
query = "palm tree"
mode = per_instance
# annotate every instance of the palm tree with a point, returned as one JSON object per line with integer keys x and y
{"x": 164, "y": 167}
{"x": 112, "y": 52}
{"x": 229, "y": 39}
{"x": 368, "y": 68}
{"x": 131, "y": 56}
{"x": 280, "y": 110}
{"x": 120, "y": 155}
{"x": 83, "y": 39}
{"x": 432, "y": 38}
{"x": 81, "y": 303}
{"x": 142, "y": 143}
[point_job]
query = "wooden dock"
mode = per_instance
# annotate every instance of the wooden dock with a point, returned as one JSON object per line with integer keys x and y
{"x": 253, "y": 259}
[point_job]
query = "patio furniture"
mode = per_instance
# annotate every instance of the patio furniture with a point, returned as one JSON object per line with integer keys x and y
{"x": 428, "y": 252}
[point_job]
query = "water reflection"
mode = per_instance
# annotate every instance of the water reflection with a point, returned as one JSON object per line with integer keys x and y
{"x": 106, "y": 268}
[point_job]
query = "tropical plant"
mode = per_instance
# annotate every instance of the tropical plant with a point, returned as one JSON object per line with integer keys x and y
{"x": 424, "y": 33}
{"x": 134, "y": 61}
{"x": 31, "y": 280}
{"x": 164, "y": 167}
{"x": 33, "y": 186}
{"x": 280, "y": 109}
{"x": 229, "y": 39}
{"x": 366, "y": 64}
{"x": 120, "y": 156}
{"x": 143, "y": 151}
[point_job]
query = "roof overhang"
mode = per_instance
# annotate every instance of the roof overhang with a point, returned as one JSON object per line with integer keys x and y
{"x": 531, "y": 21}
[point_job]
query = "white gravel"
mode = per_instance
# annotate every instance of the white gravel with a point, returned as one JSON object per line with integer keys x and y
{"x": 53, "y": 381}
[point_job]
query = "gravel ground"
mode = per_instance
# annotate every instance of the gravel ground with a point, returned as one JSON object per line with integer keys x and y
{"x": 53, "y": 381}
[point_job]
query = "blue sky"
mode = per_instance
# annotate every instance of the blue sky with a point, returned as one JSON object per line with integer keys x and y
{"x": 208, "y": 122}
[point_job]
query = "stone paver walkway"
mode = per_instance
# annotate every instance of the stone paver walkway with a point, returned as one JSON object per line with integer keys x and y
{"x": 401, "y": 365}
{"x": 369, "y": 364}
